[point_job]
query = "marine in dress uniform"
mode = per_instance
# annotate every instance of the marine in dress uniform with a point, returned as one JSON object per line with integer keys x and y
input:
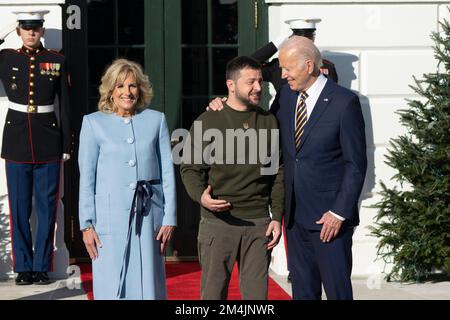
{"x": 271, "y": 69}
{"x": 34, "y": 144}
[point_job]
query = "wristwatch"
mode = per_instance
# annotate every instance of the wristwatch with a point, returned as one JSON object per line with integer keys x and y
{"x": 88, "y": 228}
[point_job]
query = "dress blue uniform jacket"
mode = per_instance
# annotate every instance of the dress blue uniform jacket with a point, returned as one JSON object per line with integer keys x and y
{"x": 115, "y": 153}
{"x": 34, "y": 78}
{"x": 327, "y": 171}
{"x": 32, "y": 146}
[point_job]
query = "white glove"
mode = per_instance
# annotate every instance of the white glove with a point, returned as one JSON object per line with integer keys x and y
{"x": 65, "y": 157}
{"x": 7, "y": 29}
{"x": 278, "y": 41}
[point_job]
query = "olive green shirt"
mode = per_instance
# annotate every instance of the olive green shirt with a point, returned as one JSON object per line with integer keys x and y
{"x": 250, "y": 192}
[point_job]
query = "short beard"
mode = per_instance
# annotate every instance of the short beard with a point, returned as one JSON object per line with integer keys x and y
{"x": 244, "y": 100}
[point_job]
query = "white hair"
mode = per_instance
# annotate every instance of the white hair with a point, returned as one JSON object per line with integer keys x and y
{"x": 303, "y": 47}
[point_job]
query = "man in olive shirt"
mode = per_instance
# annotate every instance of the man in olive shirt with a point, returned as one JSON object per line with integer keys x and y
{"x": 234, "y": 188}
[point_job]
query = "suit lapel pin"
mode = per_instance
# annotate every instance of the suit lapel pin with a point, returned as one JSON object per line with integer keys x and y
{"x": 326, "y": 100}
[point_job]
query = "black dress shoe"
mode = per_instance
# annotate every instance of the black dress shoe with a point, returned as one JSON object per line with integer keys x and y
{"x": 41, "y": 278}
{"x": 24, "y": 278}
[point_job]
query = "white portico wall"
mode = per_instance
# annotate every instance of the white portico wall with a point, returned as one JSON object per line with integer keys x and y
{"x": 52, "y": 40}
{"x": 377, "y": 46}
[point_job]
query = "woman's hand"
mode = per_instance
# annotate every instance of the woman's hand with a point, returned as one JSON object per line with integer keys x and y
{"x": 164, "y": 235}
{"x": 91, "y": 241}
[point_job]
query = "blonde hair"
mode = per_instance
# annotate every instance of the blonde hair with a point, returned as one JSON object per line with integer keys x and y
{"x": 116, "y": 73}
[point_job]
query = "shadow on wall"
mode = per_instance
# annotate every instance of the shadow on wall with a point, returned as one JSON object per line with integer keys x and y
{"x": 346, "y": 74}
{"x": 344, "y": 66}
{"x": 5, "y": 242}
{"x": 52, "y": 39}
{"x": 369, "y": 183}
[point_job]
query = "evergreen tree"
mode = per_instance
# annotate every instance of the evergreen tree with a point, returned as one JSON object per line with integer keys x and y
{"x": 413, "y": 223}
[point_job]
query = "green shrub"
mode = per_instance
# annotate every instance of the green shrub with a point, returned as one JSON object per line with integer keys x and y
{"x": 413, "y": 223}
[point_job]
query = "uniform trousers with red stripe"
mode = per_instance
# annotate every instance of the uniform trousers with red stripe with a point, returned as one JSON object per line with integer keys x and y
{"x": 25, "y": 180}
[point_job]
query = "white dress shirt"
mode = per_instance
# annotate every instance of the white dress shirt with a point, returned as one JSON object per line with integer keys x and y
{"x": 313, "y": 95}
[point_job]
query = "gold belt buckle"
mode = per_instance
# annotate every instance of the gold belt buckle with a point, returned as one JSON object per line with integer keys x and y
{"x": 32, "y": 109}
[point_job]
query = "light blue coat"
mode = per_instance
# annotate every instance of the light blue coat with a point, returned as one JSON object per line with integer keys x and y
{"x": 114, "y": 154}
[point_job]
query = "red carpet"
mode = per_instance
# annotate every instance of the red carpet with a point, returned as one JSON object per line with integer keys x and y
{"x": 86, "y": 279}
{"x": 183, "y": 282}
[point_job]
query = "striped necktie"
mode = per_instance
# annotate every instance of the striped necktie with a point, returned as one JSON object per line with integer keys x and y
{"x": 301, "y": 116}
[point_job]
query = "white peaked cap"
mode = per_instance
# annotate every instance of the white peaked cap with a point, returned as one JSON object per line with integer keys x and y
{"x": 303, "y": 23}
{"x": 31, "y": 15}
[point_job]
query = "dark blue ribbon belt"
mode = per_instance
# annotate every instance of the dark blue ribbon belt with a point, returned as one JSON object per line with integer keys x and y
{"x": 140, "y": 207}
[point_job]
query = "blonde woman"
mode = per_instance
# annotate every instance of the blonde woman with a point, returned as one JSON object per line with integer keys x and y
{"x": 127, "y": 188}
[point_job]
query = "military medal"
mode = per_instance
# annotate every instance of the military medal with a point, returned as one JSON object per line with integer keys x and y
{"x": 53, "y": 67}
{"x": 42, "y": 67}
{"x": 57, "y": 68}
{"x": 245, "y": 125}
{"x": 47, "y": 68}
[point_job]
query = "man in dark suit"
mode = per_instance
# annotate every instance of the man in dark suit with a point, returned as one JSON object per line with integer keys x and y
{"x": 324, "y": 153}
{"x": 34, "y": 143}
{"x": 271, "y": 69}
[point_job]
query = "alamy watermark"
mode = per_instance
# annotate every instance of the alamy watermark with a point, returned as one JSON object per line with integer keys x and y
{"x": 236, "y": 146}
{"x": 73, "y": 281}
{"x": 375, "y": 278}
{"x": 73, "y": 21}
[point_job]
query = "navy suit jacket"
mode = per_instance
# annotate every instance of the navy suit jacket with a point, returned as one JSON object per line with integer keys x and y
{"x": 327, "y": 172}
